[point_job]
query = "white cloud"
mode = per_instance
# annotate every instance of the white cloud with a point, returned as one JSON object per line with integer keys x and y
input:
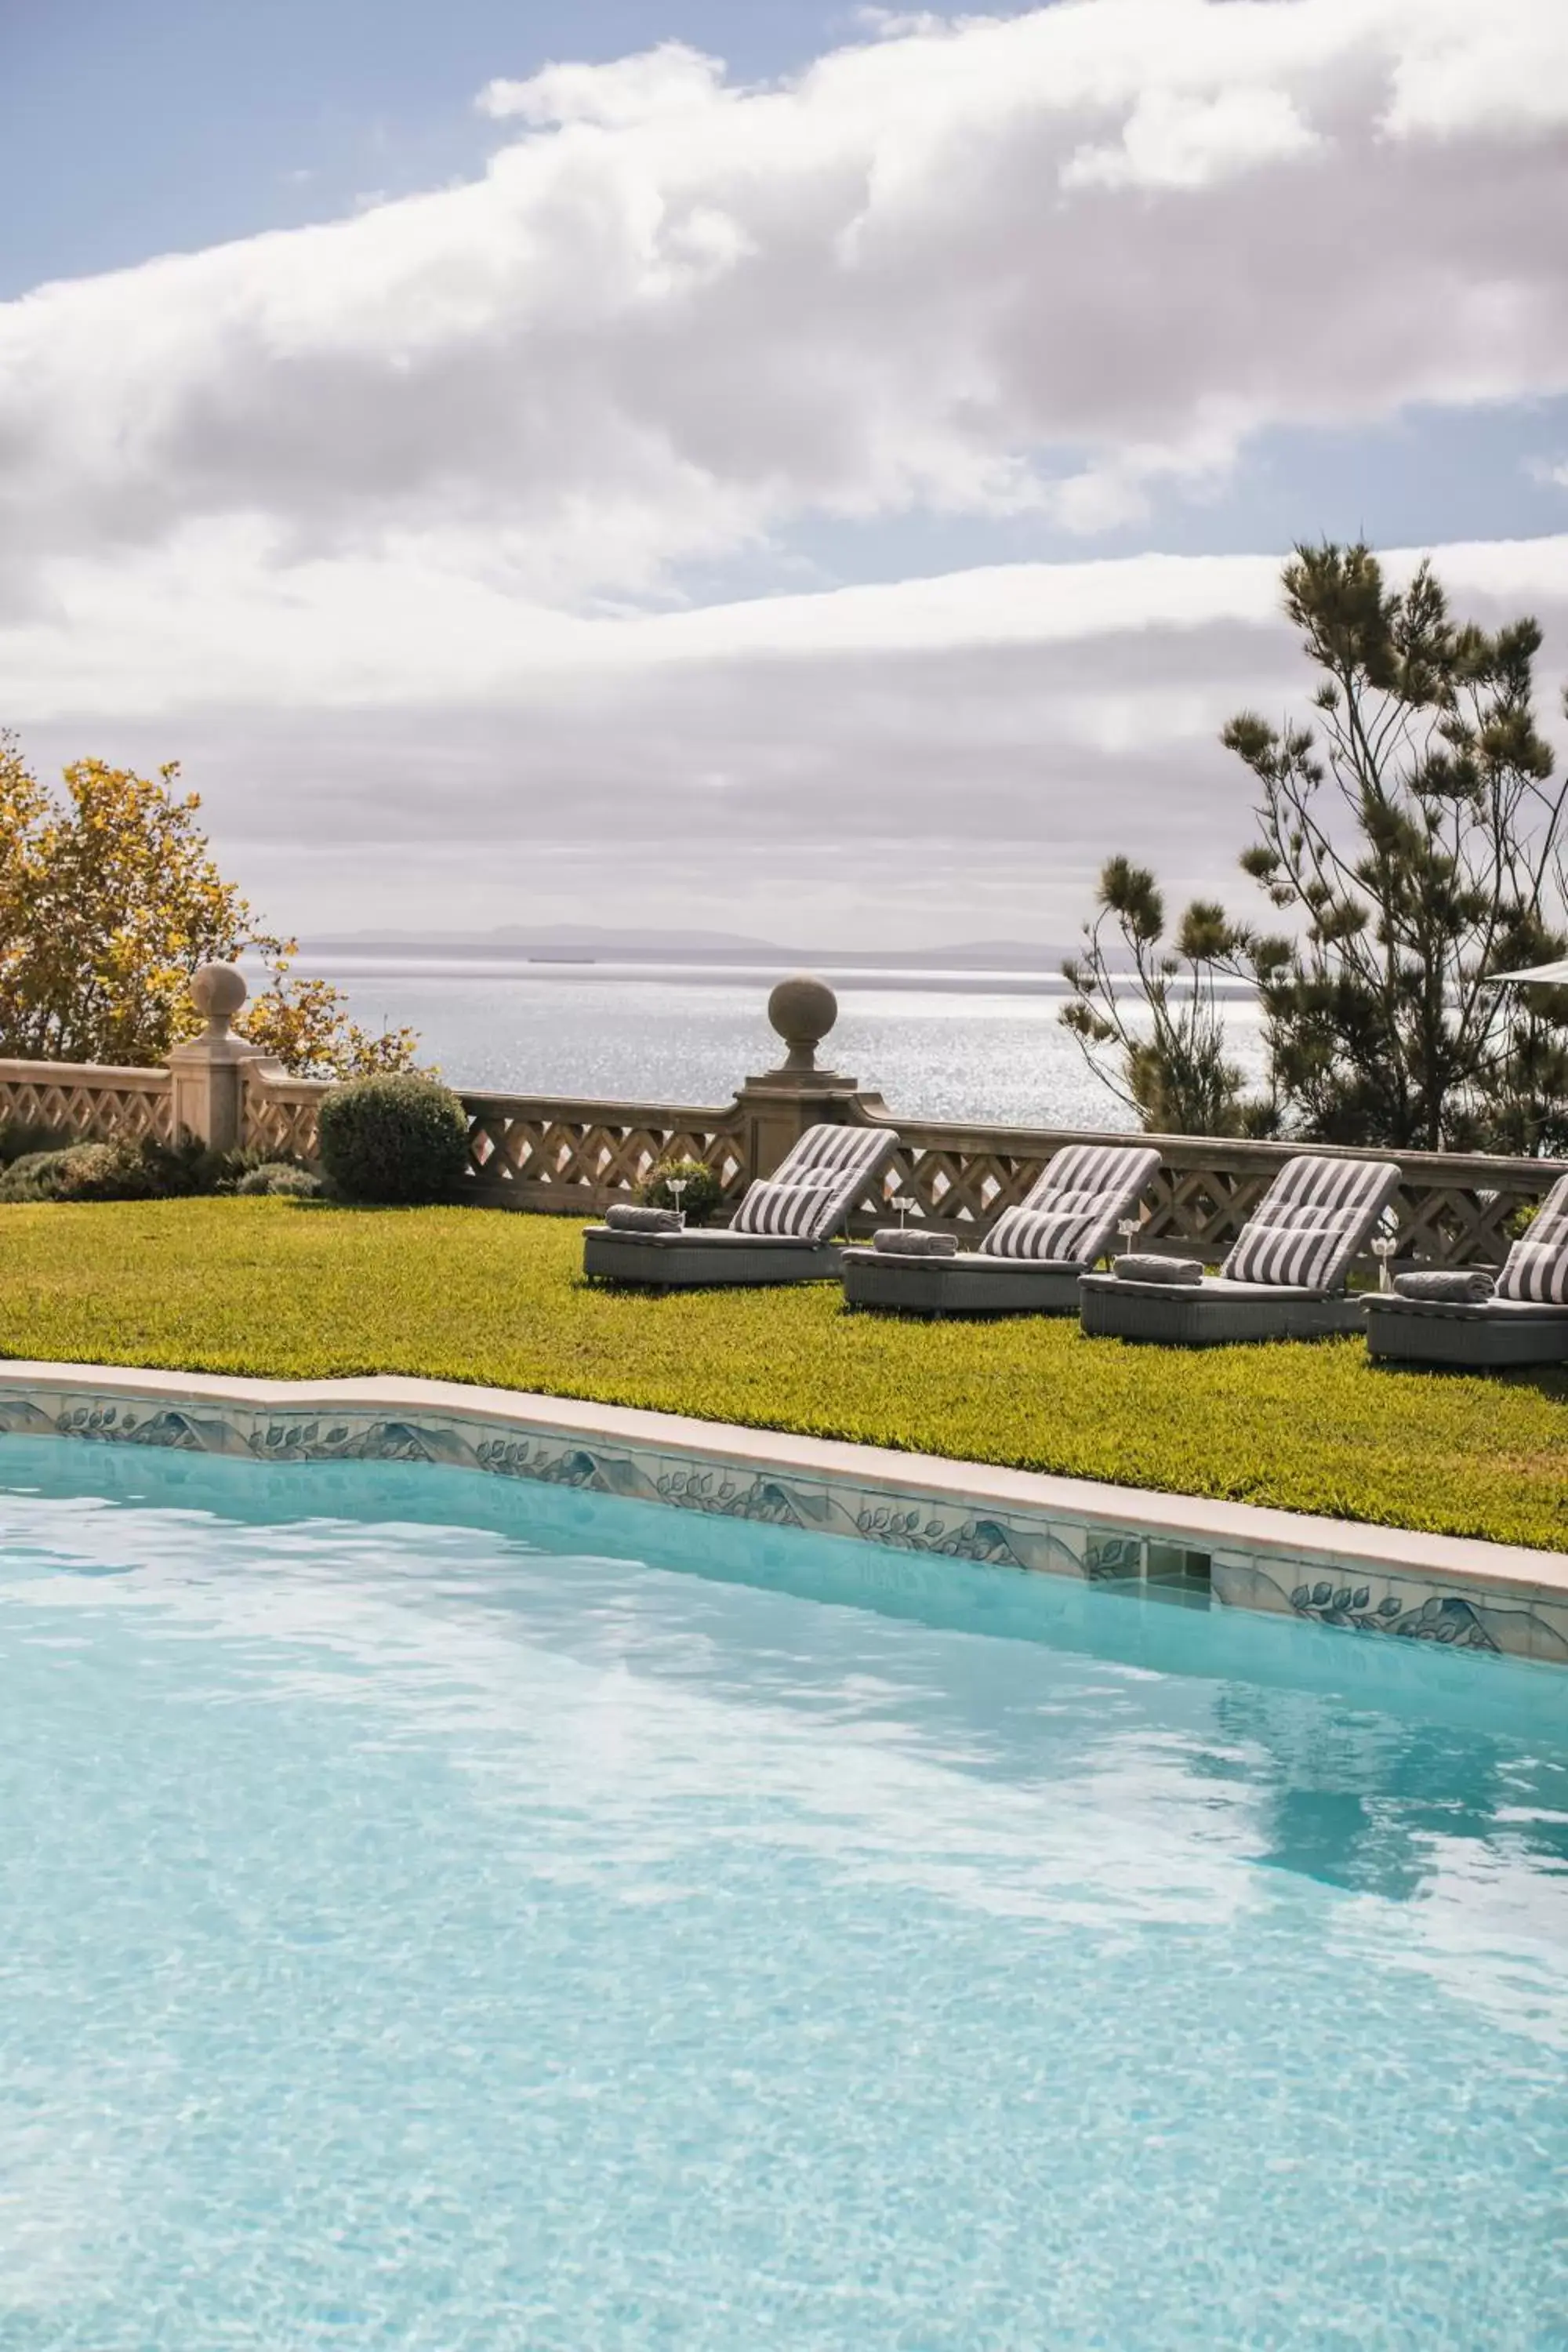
{"x": 1173, "y": 140}
{"x": 896, "y": 759}
{"x": 353, "y": 515}
{"x": 1500, "y": 69}
{"x": 671, "y": 80}
{"x": 1035, "y": 264}
{"x": 887, "y": 24}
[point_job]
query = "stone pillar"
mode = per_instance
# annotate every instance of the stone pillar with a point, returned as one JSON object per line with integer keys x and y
{"x": 207, "y": 1073}
{"x": 779, "y": 1105}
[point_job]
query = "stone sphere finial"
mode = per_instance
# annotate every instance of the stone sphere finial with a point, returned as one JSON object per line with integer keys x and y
{"x": 219, "y": 989}
{"x": 802, "y": 1011}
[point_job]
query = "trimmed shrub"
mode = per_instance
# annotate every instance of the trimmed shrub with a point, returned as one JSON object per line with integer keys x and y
{"x": 700, "y": 1194}
{"x": 81, "y": 1171}
{"x": 396, "y": 1141}
{"x": 106, "y": 1171}
{"x": 229, "y": 1169}
{"x": 168, "y": 1171}
{"x": 149, "y": 1170}
{"x": 281, "y": 1177}
{"x": 146, "y": 1170}
{"x": 35, "y": 1176}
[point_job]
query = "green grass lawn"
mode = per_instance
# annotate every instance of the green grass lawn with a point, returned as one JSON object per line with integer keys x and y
{"x": 276, "y": 1288}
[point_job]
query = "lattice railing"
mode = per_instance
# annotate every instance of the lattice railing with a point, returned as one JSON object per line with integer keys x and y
{"x": 575, "y": 1157}
{"x": 957, "y": 1177}
{"x": 529, "y": 1152}
{"x": 85, "y": 1102}
{"x": 278, "y": 1114}
{"x": 578, "y": 1157}
{"x": 1450, "y": 1211}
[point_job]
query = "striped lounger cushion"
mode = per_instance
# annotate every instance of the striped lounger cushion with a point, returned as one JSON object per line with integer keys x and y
{"x": 1536, "y": 1267}
{"x": 1310, "y": 1225}
{"x": 816, "y": 1183}
{"x": 792, "y": 1209}
{"x": 1065, "y": 1230}
{"x": 1072, "y": 1212}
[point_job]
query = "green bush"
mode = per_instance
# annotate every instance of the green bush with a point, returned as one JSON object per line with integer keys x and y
{"x": 699, "y": 1198}
{"x": 81, "y": 1171}
{"x": 25, "y": 1138}
{"x": 35, "y": 1175}
{"x": 399, "y": 1141}
{"x": 279, "y": 1177}
{"x": 145, "y": 1169}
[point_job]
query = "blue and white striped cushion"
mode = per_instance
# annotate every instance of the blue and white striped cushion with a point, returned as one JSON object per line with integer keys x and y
{"x": 1536, "y": 1267}
{"x": 1310, "y": 1224}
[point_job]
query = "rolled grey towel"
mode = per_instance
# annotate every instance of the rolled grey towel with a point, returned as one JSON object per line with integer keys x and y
{"x": 624, "y": 1218}
{"x": 913, "y": 1240}
{"x": 1462, "y": 1286}
{"x": 1152, "y": 1267}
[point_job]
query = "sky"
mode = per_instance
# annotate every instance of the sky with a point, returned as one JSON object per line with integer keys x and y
{"x": 749, "y": 467}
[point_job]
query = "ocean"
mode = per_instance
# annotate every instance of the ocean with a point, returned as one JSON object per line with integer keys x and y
{"x": 938, "y": 1045}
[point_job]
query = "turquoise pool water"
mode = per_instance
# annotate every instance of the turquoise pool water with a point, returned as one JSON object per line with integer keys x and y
{"x": 454, "y": 1917}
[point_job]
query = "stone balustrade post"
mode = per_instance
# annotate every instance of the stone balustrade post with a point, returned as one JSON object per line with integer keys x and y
{"x": 207, "y": 1073}
{"x": 777, "y": 1107}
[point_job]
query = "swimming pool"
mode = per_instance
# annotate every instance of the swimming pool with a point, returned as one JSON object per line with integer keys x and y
{"x": 442, "y": 1913}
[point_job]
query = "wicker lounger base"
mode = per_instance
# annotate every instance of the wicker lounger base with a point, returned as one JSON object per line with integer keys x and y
{"x": 700, "y": 1260}
{"x": 1484, "y": 1338}
{"x": 1211, "y": 1314}
{"x": 966, "y": 1284}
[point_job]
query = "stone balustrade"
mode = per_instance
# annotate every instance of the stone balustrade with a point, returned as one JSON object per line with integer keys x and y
{"x": 1450, "y": 1210}
{"x": 572, "y": 1157}
{"x": 88, "y": 1101}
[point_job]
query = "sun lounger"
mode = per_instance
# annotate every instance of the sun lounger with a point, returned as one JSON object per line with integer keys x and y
{"x": 1284, "y": 1278}
{"x": 781, "y": 1230}
{"x": 1525, "y": 1321}
{"x": 1030, "y": 1261}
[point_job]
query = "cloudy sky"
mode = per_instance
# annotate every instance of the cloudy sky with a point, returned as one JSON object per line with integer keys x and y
{"x": 742, "y": 465}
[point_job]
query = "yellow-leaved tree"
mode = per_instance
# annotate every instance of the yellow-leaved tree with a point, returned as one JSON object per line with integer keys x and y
{"x": 110, "y": 901}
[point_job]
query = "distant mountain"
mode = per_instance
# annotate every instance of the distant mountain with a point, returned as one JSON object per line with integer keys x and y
{"x": 614, "y": 942}
{"x": 599, "y": 944}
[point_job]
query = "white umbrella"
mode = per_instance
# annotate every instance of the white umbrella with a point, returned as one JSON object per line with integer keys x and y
{"x": 1556, "y": 973}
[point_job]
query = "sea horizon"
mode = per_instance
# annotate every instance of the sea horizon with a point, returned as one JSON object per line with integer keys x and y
{"x": 986, "y": 1048}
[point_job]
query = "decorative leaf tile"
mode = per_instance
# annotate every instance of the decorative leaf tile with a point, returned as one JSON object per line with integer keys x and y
{"x": 908, "y": 1524}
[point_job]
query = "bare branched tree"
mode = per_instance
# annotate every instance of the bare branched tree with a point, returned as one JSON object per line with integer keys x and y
{"x": 1148, "y": 1013}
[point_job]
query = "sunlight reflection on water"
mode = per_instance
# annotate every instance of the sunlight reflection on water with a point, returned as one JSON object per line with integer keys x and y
{"x": 1003, "y": 1057}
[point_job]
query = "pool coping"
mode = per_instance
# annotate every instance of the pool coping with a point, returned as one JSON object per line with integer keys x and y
{"x": 1461, "y": 1591}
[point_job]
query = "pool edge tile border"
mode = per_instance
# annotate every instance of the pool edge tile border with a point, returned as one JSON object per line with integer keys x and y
{"x": 1463, "y": 1593}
